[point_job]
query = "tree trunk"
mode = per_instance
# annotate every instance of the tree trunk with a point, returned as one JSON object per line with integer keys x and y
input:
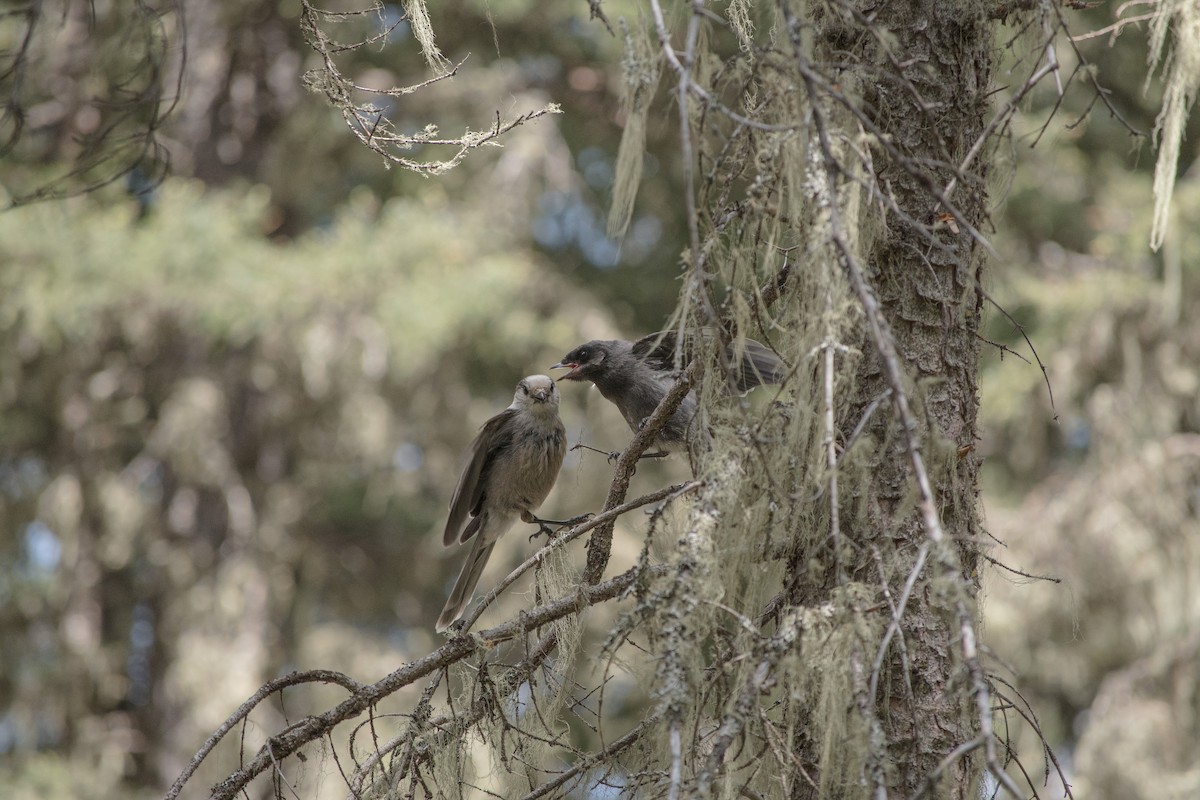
{"x": 930, "y": 103}
{"x": 801, "y": 618}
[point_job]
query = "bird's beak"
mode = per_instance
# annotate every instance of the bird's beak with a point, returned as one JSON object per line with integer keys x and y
{"x": 541, "y": 395}
{"x": 570, "y": 376}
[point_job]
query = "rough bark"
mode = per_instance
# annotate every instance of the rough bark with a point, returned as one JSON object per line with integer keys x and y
{"x": 931, "y": 300}
{"x": 923, "y": 79}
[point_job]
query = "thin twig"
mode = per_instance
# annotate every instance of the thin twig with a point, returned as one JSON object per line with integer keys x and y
{"x": 456, "y": 649}
{"x": 561, "y": 539}
{"x": 881, "y": 336}
{"x": 243, "y": 711}
{"x": 1021, "y": 330}
{"x": 1016, "y": 571}
{"x": 951, "y": 758}
{"x": 590, "y": 760}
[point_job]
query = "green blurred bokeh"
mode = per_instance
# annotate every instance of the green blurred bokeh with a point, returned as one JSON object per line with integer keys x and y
{"x": 232, "y": 406}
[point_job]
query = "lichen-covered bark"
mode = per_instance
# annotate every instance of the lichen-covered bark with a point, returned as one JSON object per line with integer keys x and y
{"x": 923, "y": 79}
{"x": 931, "y": 299}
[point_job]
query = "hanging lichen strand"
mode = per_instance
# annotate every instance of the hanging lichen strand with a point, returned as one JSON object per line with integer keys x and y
{"x": 778, "y": 634}
{"x": 798, "y": 619}
{"x": 757, "y": 625}
{"x": 766, "y": 640}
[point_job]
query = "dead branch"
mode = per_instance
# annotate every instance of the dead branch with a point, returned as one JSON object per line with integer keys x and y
{"x": 375, "y": 128}
{"x": 313, "y": 728}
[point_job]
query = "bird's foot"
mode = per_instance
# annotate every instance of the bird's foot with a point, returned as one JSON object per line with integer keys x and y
{"x": 544, "y": 528}
{"x": 612, "y": 454}
{"x": 616, "y": 454}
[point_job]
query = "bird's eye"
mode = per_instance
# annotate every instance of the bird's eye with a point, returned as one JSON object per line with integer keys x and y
{"x": 583, "y": 355}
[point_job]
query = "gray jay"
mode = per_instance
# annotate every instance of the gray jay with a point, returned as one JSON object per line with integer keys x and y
{"x": 511, "y": 467}
{"x": 635, "y": 376}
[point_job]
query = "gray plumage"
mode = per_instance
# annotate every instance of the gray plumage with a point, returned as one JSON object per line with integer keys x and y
{"x": 511, "y": 467}
{"x": 635, "y": 376}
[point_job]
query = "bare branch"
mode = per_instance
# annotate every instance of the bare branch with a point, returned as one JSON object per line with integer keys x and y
{"x": 459, "y": 647}
{"x": 374, "y": 127}
{"x": 561, "y": 539}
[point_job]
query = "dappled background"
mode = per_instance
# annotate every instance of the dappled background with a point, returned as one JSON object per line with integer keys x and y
{"x": 232, "y": 402}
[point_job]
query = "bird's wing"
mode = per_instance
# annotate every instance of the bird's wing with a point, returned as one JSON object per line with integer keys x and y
{"x": 493, "y": 437}
{"x": 658, "y": 350}
{"x": 755, "y": 364}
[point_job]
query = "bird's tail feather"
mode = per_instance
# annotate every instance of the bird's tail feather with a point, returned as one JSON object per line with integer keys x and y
{"x": 464, "y": 587}
{"x": 758, "y": 366}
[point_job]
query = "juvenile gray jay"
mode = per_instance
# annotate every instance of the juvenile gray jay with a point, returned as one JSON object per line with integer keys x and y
{"x": 511, "y": 466}
{"x": 635, "y": 376}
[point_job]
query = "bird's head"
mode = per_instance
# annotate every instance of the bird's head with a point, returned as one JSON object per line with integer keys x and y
{"x": 536, "y": 391}
{"x": 586, "y": 362}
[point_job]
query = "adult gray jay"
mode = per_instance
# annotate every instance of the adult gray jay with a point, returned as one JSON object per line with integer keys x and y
{"x": 510, "y": 468}
{"x": 635, "y": 376}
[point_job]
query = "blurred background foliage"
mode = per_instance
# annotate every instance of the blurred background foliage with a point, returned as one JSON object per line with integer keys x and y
{"x": 231, "y": 404}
